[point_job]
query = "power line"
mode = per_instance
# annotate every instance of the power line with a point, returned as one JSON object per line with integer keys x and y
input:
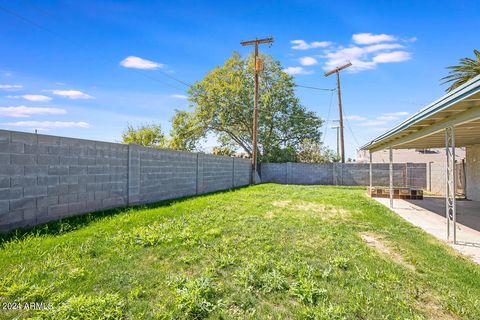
{"x": 328, "y": 117}
{"x": 148, "y": 76}
{"x": 315, "y": 88}
{"x": 26, "y": 20}
{"x": 351, "y": 131}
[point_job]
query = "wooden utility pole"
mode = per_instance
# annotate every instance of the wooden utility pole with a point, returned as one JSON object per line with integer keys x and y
{"x": 257, "y": 66}
{"x": 340, "y": 112}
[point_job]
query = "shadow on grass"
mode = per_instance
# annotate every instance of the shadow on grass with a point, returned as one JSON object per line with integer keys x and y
{"x": 77, "y": 222}
{"x": 333, "y": 186}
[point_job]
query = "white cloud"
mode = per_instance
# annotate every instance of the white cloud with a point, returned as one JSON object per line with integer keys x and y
{"x": 395, "y": 56}
{"x": 48, "y": 124}
{"x": 396, "y": 114}
{"x": 303, "y": 45}
{"x": 384, "y": 119}
{"x": 369, "y": 38}
{"x": 296, "y": 70}
{"x": 179, "y": 96}
{"x": 139, "y": 63}
{"x": 356, "y": 55}
{"x": 387, "y": 118}
{"x": 381, "y": 47}
{"x": 71, "y": 94}
{"x": 372, "y": 123}
{"x": 379, "y": 129}
{"x": 10, "y": 86}
{"x": 308, "y": 61}
{"x": 32, "y": 97}
{"x": 8, "y": 74}
{"x": 364, "y": 57}
{"x": 355, "y": 118}
{"x": 24, "y": 112}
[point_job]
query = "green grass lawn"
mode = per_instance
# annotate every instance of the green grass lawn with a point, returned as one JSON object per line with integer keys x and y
{"x": 262, "y": 252}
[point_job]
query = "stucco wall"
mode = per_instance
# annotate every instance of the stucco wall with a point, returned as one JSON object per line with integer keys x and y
{"x": 473, "y": 172}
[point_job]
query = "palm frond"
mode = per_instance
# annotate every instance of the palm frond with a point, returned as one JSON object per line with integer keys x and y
{"x": 466, "y": 70}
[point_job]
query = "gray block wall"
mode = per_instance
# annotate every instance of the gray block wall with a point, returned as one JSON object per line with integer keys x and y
{"x": 242, "y": 172}
{"x": 348, "y": 174}
{"x": 44, "y": 178}
{"x": 304, "y": 173}
{"x": 217, "y": 173}
{"x": 473, "y": 172}
{"x": 166, "y": 174}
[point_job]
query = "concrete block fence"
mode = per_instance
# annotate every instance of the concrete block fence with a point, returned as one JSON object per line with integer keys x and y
{"x": 347, "y": 174}
{"x": 44, "y": 178}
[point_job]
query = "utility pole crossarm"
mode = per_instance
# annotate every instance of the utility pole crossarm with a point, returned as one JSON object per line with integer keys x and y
{"x": 337, "y": 69}
{"x": 257, "y": 41}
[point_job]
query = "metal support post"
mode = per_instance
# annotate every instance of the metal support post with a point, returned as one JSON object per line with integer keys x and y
{"x": 450, "y": 203}
{"x": 391, "y": 176}
{"x": 371, "y": 170}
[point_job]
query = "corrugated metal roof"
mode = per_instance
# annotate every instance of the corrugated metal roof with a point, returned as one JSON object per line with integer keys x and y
{"x": 437, "y": 111}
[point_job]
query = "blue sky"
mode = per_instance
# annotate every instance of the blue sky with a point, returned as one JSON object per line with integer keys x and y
{"x": 62, "y": 71}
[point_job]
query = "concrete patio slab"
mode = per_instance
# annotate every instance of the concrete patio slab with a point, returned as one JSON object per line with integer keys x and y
{"x": 426, "y": 214}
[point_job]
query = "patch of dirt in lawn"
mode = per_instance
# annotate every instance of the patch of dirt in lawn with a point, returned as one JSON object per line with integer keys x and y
{"x": 325, "y": 212}
{"x": 434, "y": 312}
{"x": 283, "y": 203}
{"x": 270, "y": 214}
{"x": 375, "y": 241}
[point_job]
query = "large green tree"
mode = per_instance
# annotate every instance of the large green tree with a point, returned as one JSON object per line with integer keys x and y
{"x": 467, "y": 69}
{"x": 147, "y": 135}
{"x": 222, "y": 104}
{"x": 314, "y": 152}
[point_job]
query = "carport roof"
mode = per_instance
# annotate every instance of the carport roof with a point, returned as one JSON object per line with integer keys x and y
{"x": 425, "y": 129}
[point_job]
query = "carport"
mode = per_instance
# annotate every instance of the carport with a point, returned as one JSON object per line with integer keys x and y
{"x": 449, "y": 122}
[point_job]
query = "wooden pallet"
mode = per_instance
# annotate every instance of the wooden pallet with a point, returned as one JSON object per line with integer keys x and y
{"x": 398, "y": 193}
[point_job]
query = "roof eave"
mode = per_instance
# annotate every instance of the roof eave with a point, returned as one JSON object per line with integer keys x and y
{"x": 445, "y": 101}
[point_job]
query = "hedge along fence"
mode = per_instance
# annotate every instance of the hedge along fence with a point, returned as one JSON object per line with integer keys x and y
{"x": 346, "y": 174}
{"x": 45, "y": 178}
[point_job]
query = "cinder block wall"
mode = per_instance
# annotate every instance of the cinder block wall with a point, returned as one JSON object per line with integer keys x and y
{"x": 473, "y": 172}
{"x": 217, "y": 173}
{"x": 44, "y": 178}
{"x": 166, "y": 174}
{"x": 348, "y": 174}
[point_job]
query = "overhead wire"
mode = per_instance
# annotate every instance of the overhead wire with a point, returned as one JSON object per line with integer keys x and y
{"x": 185, "y": 83}
{"x": 351, "y": 132}
{"x": 148, "y": 76}
{"x": 328, "y": 118}
{"x": 31, "y": 22}
{"x": 315, "y": 88}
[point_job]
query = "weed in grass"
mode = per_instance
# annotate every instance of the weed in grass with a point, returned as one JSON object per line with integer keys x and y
{"x": 272, "y": 281}
{"x": 340, "y": 262}
{"x": 195, "y": 297}
{"x": 308, "y": 291}
{"x": 260, "y": 275}
{"x": 225, "y": 260}
{"x": 326, "y": 312}
{"x": 88, "y": 307}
